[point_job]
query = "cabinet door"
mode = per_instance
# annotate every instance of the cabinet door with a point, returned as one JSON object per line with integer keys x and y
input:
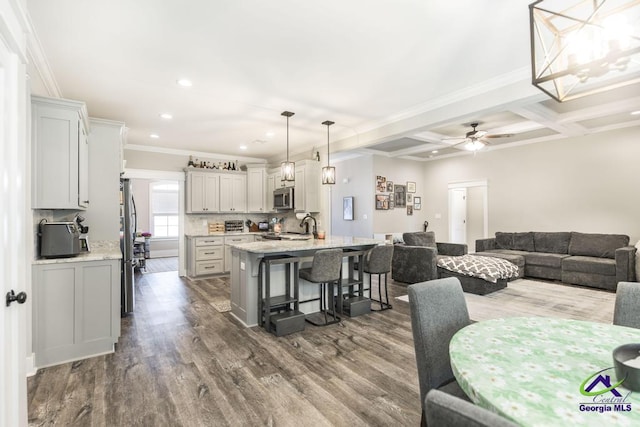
{"x": 233, "y": 193}
{"x": 195, "y": 192}
{"x": 212, "y": 193}
{"x": 55, "y": 153}
{"x": 256, "y": 186}
{"x": 83, "y": 166}
{"x": 271, "y": 186}
{"x": 299, "y": 194}
{"x": 97, "y": 304}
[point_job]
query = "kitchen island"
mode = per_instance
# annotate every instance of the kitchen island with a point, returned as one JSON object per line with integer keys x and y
{"x": 246, "y": 260}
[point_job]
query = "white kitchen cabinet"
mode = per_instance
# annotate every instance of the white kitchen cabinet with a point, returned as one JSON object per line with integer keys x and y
{"x": 245, "y": 238}
{"x": 203, "y": 192}
{"x": 257, "y": 190}
{"x": 76, "y": 310}
{"x": 233, "y": 192}
{"x": 205, "y": 255}
{"x": 307, "y": 186}
{"x": 271, "y": 186}
{"x": 60, "y": 154}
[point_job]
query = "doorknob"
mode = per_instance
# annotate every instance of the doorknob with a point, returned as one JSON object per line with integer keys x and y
{"x": 20, "y": 298}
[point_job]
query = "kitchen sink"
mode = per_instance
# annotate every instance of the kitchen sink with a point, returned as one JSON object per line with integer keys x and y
{"x": 287, "y": 236}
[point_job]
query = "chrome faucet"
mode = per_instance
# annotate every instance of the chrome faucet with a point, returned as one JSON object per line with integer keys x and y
{"x": 315, "y": 225}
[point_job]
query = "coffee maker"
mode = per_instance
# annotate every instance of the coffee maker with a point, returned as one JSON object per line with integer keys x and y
{"x": 84, "y": 237}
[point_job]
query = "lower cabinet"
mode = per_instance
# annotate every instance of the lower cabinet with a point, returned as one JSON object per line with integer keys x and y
{"x": 227, "y": 249}
{"x": 205, "y": 255}
{"x": 76, "y": 310}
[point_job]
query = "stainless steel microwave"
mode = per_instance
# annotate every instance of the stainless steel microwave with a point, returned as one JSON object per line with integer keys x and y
{"x": 283, "y": 198}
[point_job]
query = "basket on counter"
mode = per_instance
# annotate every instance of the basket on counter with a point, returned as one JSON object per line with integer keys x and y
{"x": 216, "y": 227}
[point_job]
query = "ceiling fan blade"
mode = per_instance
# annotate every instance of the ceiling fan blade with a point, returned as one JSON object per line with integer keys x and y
{"x": 499, "y": 135}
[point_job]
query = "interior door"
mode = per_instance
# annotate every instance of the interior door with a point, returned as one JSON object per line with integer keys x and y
{"x": 13, "y": 265}
{"x": 458, "y": 215}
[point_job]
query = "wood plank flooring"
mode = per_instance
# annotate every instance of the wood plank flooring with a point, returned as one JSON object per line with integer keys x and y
{"x": 180, "y": 362}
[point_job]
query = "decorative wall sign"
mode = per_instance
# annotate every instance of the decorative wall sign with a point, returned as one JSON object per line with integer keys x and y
{"x": 411, "y": 187}
{"x": 381, "y": 184}
{"x": 417, "y": 203}
{"x": 400, "y": 198}
{"x": 382, "y": 201}
{"x": 347, "y": 208}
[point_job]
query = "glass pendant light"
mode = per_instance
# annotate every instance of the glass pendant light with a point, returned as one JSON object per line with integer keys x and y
{"x": 288, "y": 169}
{"x": 328, "y": 172}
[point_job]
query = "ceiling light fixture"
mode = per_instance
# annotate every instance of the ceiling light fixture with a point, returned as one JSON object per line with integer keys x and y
{"x": 166, "y": 116}
{"x": 243, "y": 147}
{"x": 576, "y": 50}
{"x": 154, "y": 136}
{"x": 328, "y": 172}
{"x": 185, "y": 82}
{"x": 474, "y": 145}
{"x": 288, "y": 169}
{"x": 635, "y": 113}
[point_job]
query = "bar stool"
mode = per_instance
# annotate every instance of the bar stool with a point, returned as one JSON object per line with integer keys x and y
{"x": 325, "y": 270}
{"x": 378, "y": 261}
{"x": 354, "y": 303}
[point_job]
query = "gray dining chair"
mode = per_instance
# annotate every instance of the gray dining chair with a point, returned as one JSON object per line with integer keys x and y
{"x": 438, "y": 311}
{"x": 445, "y": 410}
{"x": 626, "y": 311}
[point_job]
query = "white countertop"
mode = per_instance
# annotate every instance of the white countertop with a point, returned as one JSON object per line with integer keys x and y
{"x": 100, "y": 250}
{"x": 226, "y": 234}
{"x": 274, "y": 246}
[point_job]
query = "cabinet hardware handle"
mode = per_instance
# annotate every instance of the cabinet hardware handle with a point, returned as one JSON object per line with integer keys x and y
{"x": 20, "y": 298}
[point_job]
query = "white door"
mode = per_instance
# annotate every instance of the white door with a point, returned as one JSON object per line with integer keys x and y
{"x": 458, "y": 215}
{"x": 13, "y": 267}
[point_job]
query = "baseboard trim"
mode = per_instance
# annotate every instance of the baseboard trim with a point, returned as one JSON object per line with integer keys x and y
{"x": 163, "y": 253}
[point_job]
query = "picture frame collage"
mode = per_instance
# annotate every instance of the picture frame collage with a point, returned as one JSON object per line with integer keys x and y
{"x": 390, "y": 195}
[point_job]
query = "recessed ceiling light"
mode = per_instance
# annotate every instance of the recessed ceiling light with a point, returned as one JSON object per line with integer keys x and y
{"x": 185, "y": 82}
{"x": 434, "y": 151}
{"x": 270, "y": 134}
{"x": 166, "y": 116}
{"x": 243, "y": 147}
{"x": 154, "y": 136}
{"x": 635, "y": 113}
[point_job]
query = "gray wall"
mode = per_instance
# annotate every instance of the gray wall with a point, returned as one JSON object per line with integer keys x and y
{"x": 586, "y": 183}
{"x": 353, "y": 178}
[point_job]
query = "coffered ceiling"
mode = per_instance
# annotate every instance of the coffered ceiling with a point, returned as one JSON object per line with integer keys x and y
{"x": 398, "y": 78}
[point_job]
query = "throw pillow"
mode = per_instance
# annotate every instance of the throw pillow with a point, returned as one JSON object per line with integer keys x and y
{"x": 504, "y": 240}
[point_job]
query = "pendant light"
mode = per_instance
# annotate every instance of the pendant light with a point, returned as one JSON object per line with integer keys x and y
{"x": 288, "y": 169}
{"x": 328, "y": 172}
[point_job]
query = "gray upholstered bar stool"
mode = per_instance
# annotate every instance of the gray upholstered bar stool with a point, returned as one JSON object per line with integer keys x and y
{"x": 326, "y": 270}
{"x": 378, "y": 261}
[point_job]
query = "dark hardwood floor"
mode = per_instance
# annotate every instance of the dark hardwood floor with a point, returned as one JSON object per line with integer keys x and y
{"x": 180, "y": 362}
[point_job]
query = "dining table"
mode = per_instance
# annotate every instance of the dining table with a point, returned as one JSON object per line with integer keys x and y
{"x": 539, "y": 371}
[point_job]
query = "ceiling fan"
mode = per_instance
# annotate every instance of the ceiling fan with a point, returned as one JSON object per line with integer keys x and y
{"x": 475, "y": 139}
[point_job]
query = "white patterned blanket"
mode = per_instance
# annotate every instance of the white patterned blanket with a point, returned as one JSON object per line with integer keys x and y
{"x": 487, "y": 268}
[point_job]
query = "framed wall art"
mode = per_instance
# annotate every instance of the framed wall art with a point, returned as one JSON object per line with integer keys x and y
{"x": 409, "y": 199}
{"x": 382, "y": 202}
{"x": 347, "y": 208}
{"x": 399, "y": 193}
{"x": 389, "y": 186}
{"x": 411, "y": 187}
{"x": 409, "y": 210}
{"x": 417, "y": 203}
{"x": 381, "y": 184}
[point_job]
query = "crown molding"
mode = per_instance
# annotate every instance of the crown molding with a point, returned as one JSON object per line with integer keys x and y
{"x": 178, "y": 152}
{"x": 36, "y": 55}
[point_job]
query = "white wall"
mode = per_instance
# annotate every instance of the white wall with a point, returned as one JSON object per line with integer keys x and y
{"x": 586, "y": 184}
{"x": 353, "y": 178}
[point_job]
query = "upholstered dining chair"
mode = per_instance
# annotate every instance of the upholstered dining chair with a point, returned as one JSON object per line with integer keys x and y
{"x": 626, "y": 312}
{"x": 438, "y": 311}
{"x": 445, "y": 410}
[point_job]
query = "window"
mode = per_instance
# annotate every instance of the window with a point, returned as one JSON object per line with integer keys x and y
{"x": 164, "y": 208}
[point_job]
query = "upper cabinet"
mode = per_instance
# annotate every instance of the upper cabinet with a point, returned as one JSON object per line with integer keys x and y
{"x": 60, "y": 154}
{"x": 203, "y": 192}
{"x": 307, "y": 186}
{"x": 233, "y": 192}
{"x": 257, "y": 190}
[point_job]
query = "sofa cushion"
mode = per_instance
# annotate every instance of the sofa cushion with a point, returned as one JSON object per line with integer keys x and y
{"x": 544, "y": 259}
{"x": 503, "y": 251}
{"x": 552, "y": 242}
{"x": 420, "y": 238}
{"x": 596, "y": 245}
{"x": 590, "y": 265}
{"x": 504, "y": 240}
{"x": 523, "y": 242}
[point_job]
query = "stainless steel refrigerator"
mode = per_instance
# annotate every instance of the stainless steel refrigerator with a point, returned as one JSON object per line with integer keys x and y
{"x": 128, "y": 226}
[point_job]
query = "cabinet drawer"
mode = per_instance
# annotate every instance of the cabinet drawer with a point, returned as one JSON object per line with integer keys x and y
{"x": 209, "y": 267}
{"x": 209, "y": 252}
{"x": 238, "y": 239}
{"x": 209, "y": 241}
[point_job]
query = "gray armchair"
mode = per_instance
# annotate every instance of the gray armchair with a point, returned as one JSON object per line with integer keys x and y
{"x": 445, "y": 410}
{"x": 416, "y": 260}
{"x": 626, "y": 312}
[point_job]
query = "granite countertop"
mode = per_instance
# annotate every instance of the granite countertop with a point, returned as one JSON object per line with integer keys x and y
{"x": 223, "y": 234}
{"x": 274, "y": 246}
{"x": 100, "y": 250}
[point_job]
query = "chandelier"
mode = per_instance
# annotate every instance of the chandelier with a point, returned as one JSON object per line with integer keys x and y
{"x": 288, "y": 169}
{"x": 328, "y": 172}
{"x": 583, "y": 47}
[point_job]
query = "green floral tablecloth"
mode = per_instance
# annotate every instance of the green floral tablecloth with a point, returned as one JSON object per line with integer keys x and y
{"x": 532, "y": 371}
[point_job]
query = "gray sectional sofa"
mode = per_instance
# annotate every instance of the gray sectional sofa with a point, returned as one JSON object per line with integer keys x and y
{"x": 589, "y": 259}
